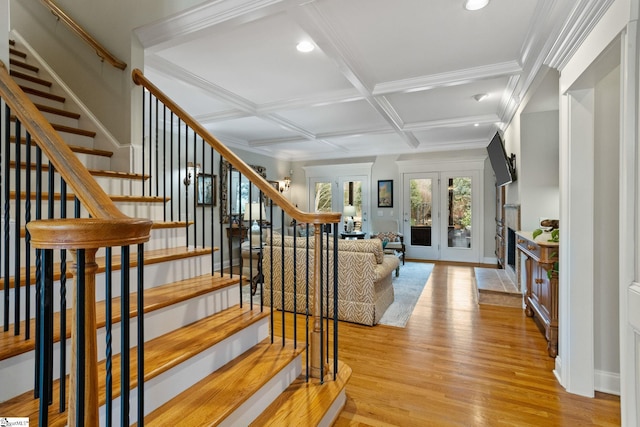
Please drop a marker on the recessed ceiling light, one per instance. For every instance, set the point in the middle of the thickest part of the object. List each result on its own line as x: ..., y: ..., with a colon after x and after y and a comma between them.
x: 480, y: 96
x: 305, y: 46
x: 475, y: 4
x: 476, y: 124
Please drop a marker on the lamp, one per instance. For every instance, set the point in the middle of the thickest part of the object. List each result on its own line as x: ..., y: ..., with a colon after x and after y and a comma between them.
x: 254, y: 212
x: 195, y: 170
x: 284, y: 184
x: 348, y: 213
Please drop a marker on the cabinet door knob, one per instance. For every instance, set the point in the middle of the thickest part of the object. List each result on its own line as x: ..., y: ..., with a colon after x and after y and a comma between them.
x: 521, y: 241
x: 539, y: 281
x: 531, y: 247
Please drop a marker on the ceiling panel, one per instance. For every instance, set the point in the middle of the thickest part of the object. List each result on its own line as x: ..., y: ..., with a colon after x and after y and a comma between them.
x: 258, y: 61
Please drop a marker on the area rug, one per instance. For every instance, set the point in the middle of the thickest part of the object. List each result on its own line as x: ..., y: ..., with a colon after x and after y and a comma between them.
x: 407, y: 289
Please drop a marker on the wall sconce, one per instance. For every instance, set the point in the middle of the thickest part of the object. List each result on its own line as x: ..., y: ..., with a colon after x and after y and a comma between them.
x: 191, y: 171
x: 285, y: 184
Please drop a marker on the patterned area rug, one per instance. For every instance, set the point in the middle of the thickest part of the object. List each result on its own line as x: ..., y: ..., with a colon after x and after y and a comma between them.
x: 407, y: 289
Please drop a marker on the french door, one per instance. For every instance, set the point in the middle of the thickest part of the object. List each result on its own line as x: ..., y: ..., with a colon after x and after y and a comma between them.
x: 439, y: 216
x: 333, y: 194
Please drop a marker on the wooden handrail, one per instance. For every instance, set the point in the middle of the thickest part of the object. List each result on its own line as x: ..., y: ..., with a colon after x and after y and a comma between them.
x: 237, y: 162
x: 100, y: 50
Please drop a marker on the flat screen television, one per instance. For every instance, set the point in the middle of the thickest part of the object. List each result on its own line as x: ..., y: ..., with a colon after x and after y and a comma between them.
x: 503, y: 166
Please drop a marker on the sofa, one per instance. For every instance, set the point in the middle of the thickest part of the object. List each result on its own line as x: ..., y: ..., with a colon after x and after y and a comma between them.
x: 365, y: 288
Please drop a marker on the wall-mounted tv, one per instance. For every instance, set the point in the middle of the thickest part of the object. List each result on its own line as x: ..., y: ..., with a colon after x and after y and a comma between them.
x: 503, y: 166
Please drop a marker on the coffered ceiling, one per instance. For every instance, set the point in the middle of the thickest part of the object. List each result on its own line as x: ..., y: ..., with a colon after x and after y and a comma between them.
x: 385, y: 77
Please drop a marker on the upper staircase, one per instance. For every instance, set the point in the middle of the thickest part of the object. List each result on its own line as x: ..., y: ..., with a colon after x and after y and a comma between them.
x: 205, y: 349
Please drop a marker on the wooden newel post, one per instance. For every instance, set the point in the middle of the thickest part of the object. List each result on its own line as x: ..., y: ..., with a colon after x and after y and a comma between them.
x: 90, y: 402
x: 317, y: 340
x: 88, y: 234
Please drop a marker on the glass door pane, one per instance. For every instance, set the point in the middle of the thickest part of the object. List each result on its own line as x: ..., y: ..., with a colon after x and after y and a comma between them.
x: 459, y: 221
x: 322, y: 197
x: 352, y: 195
x: 460, y: 238
x: 420, y: 216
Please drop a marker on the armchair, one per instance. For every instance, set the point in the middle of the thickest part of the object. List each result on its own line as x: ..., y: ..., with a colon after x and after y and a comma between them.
x: 389, y: 230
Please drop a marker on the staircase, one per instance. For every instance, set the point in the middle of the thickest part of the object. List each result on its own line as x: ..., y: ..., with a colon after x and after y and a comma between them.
x: 210, y: 356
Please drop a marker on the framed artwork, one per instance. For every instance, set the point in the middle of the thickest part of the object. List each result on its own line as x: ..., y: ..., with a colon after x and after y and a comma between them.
x: 385, y: 193
x: 206, y: 190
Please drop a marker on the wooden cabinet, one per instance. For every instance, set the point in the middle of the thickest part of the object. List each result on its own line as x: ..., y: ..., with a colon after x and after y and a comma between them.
x: 500, y: 227
x: 541, y: 297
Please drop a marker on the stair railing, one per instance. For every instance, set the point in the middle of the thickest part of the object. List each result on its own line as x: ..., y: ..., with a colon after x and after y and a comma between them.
x: 100, y: 50
x: 177, y: 150
x: 106, y: 227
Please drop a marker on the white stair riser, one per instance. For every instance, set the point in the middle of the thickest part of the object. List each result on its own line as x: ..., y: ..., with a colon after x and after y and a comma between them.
x: 159, y: 239
x: 60, y: 119
x: 19, y: 370
x: 161, y: 389
x: 256, y: 404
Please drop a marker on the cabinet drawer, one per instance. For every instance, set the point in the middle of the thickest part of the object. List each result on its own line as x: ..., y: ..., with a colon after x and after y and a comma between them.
x: 530, y: 248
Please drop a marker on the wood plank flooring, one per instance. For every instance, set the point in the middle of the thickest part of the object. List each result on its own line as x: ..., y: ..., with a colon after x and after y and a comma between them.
x: 459, y: 364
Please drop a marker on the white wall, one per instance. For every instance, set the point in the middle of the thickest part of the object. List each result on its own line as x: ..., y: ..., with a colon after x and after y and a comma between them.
x: 606, y: 229
x: 538, y: 175
x: 385, y: 167
x: 104, y: 89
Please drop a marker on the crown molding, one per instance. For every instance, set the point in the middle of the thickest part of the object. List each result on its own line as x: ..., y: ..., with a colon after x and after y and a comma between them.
x: 206, y: 16
x: 582, y: 19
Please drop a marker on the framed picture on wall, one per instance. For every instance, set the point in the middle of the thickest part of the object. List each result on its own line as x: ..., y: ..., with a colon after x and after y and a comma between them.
x: 385, y: 193
x: 206, y: 190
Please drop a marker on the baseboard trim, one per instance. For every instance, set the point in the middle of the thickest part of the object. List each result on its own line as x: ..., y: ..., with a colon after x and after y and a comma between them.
x: 607, y: 382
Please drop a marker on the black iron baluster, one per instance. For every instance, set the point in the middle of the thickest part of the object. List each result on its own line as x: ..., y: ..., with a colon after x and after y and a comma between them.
x: 45, y: 336
x: 140, y: 308
x: 171, y: 165
x: 187, y: 178
x: 16, y: 229
x: 27, y: 239
x: 335, y: 301
x: 164, y: 162
x: 108, y: 337
x: 125, y: 337
x: 157, y: 150
x: 7, y: 215
x: 63, y: 298
x: 180, y: 180
x: 39, y: 256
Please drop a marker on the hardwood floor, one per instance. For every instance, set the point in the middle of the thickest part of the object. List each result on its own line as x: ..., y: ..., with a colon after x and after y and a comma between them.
x: 459, y: 364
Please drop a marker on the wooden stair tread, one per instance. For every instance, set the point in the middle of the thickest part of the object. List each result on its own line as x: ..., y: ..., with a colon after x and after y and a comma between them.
x: 304, y: 403
x: 94, y: 172
x: 42, y: 94
x: 28, y: 77
x: 16, y: 52
x: 57, y: 111
x: 215, y: 397
x: 161, y: 354
x: 68, y: 129
x: 74, y: 148
x: 73, y: 130
x: 24, y: 65
x: 115, y: 197
x: 154, y: 256
x: 154, y: 299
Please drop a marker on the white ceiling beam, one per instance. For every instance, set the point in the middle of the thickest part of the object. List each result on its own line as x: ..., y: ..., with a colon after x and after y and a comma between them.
x: 452, y: 78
